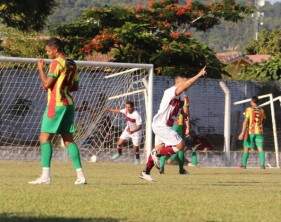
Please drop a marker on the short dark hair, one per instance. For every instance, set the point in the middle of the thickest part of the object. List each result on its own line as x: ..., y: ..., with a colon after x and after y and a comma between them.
x: 182, y: 75
x: 255, y: 99
x: 128, y: 102
x: 55, y: 42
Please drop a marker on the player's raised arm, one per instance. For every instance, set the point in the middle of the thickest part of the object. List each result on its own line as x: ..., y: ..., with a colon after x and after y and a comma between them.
x: 184, y: 85
x: 116, y: 110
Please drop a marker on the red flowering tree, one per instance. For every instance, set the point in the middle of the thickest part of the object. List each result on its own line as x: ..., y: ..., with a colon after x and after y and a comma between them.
x: 160, y: 33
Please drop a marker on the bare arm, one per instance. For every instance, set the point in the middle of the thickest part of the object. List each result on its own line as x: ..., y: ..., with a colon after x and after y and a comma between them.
x: 244, y: 128
x: 47, y: 82
x: 116, y: 110
x: 188, y: 83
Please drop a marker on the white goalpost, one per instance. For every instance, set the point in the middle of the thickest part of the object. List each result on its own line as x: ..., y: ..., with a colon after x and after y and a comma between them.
x: 274, y: 129
x: 103, y: 85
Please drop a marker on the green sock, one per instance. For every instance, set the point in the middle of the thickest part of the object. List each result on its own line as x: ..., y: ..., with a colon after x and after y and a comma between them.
x: 180, y: 155
x: 46, y: 154
x: 262, y: 158
x: 194, y: 159
x: 245, y: 157
x: 74, y: 155
x: 162, y: 160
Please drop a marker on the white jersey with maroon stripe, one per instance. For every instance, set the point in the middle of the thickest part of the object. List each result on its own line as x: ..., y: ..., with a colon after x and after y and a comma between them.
x: 133, y: 119
x: 169, y: 108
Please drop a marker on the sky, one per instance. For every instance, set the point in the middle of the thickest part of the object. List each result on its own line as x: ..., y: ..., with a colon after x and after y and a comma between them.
x: 273, y: 1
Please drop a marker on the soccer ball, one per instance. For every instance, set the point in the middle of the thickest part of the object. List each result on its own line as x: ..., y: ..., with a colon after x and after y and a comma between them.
x: 93, y: 159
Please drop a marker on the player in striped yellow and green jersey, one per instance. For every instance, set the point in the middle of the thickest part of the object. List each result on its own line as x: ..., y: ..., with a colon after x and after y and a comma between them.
x: 252, y: 132
x: 58, y: 117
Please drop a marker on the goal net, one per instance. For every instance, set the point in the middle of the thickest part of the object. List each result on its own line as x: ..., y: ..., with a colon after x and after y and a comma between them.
x: 102, y: 86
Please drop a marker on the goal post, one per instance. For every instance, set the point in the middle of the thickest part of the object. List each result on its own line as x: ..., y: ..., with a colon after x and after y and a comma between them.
x: 103, y: 85
x: 272, y: 111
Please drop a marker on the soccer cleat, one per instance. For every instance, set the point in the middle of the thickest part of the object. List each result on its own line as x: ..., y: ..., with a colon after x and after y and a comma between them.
x: 162, y: 170
x: 155, y: 159
x: 262, y: 167
x: 80, y: 181
x: 243, y: 167
x: 116, y: 156
x: 41, y: 180
x: 145, y: 176
x: 183, y: 172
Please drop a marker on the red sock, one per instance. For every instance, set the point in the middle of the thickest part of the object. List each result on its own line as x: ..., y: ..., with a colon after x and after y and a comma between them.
x: 166, y: 151
x: 149, y: 165
x: 119, y: 149
x: 137, y: 153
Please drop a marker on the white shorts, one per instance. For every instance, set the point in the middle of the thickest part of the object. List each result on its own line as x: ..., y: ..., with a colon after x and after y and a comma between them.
x: 166, y: 135
x: 136, y: 137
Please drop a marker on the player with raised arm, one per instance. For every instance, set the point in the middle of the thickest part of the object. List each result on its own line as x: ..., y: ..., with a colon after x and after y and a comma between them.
x: 167, y: 141
x: 182, y: 127
x: 252, y: 132
x: 58, y: 118
x: 132, y: 130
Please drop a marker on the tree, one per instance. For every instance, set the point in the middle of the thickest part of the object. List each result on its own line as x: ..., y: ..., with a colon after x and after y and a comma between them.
x: 268, y: 43
x: 25, y: 15
x: 160, y: 34
x: 17, y: 43
x: 268, y: 71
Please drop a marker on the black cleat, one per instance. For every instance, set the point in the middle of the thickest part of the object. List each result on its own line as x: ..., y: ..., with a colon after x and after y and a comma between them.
x: 162, y: 171
x: 183, y: 172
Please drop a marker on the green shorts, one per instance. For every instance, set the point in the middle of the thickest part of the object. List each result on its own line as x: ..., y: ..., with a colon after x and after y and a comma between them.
x: 62, y: 122
x: 178, y: 129
x: 254, y: 140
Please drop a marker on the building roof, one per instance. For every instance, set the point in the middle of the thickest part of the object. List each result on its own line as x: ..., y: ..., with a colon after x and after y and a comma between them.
x: 234, y: 56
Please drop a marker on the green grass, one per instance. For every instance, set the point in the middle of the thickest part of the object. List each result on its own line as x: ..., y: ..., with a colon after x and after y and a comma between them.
x: 114, y: 193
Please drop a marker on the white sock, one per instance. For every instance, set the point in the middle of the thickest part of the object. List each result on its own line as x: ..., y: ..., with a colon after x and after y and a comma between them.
x: 45, y: 172
x: 80, y: 173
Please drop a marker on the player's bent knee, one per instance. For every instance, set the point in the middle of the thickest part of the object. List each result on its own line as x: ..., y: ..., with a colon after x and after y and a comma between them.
x: 44, y: 138
x: 180, y: 146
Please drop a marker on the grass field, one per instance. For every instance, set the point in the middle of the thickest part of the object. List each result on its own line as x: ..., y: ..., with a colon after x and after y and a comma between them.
x: 114, y: 193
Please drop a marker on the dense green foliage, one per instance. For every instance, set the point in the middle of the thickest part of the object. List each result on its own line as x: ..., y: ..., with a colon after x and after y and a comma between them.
x: 18, y: 43
x: 268, y: 43
x: 267, y: 71
x: 25, y: 15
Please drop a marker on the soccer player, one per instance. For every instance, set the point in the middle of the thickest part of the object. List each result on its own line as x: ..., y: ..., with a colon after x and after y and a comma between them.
x: 252, y: 132
x: 58, y: 117
x: 182, y: 127
x: 132, y: 130
x: 167, y: 141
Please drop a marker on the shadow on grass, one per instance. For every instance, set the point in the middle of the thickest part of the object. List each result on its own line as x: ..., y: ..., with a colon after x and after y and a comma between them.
x: 25, y: 218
